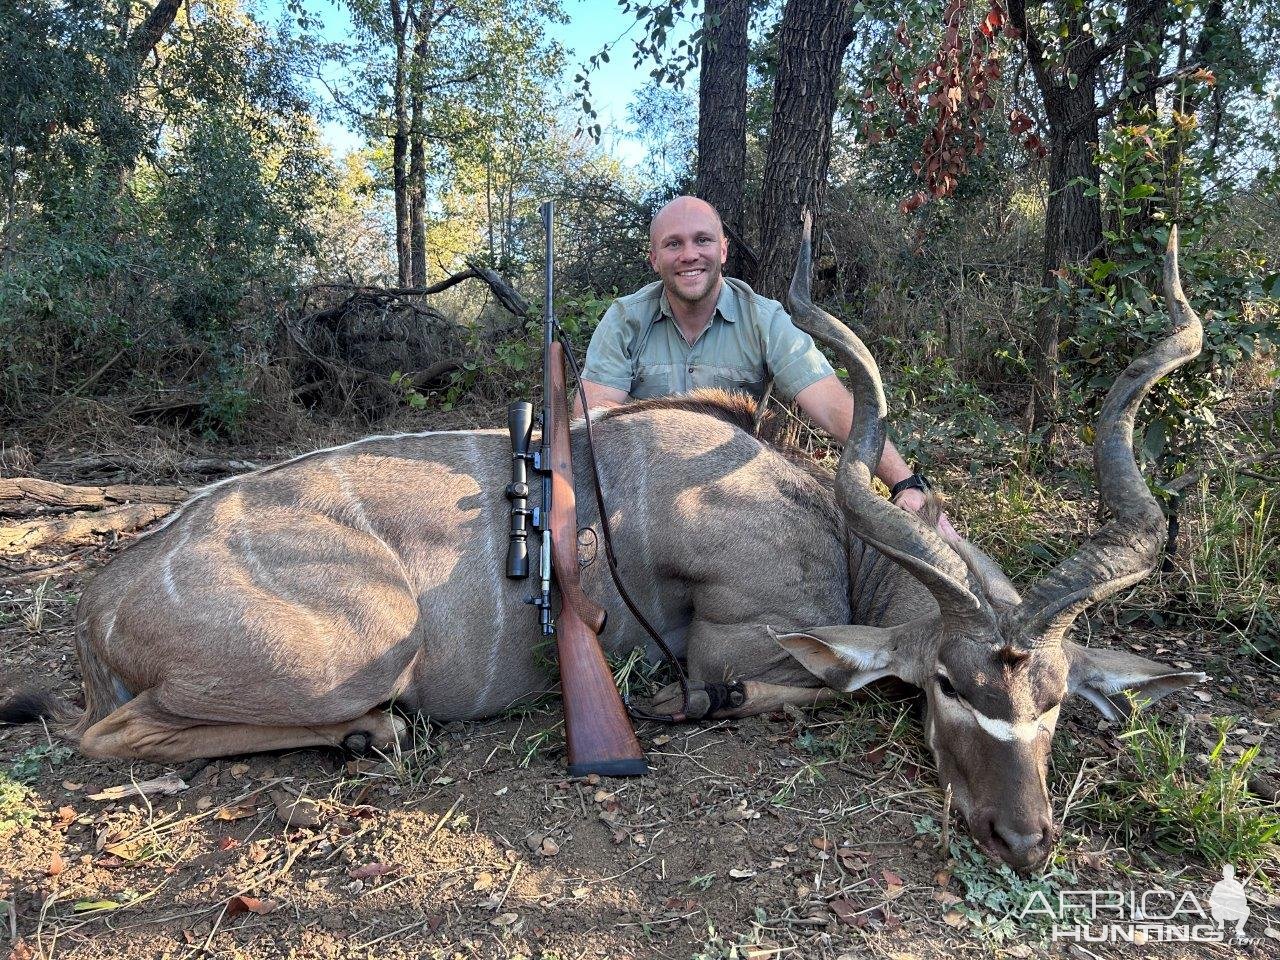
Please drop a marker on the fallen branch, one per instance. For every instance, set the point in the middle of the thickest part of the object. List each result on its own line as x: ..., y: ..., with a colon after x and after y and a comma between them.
x: 26, y: 494
x: 79, y: 529
x: 505, y: 293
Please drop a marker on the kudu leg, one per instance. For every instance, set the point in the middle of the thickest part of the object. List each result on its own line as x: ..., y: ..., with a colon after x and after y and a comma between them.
x: 766, y: 697
x: 142, y: 730
x: 760, y: 697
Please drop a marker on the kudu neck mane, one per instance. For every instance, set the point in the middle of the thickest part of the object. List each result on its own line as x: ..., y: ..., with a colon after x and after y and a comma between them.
x: 871, y: 576
x: 737, y: 409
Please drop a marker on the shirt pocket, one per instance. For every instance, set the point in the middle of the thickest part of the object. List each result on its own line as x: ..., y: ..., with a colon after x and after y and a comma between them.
x: 651, y: 380
x: 735, y: 379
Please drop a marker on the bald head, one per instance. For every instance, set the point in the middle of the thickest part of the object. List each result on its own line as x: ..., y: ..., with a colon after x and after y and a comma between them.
x: 684, y: 214
x: 687, y: 250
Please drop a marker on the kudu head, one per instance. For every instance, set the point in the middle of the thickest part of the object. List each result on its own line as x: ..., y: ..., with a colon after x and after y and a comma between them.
x: 995, y: 665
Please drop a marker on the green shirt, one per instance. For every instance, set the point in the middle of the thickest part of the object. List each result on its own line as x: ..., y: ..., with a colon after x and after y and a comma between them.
x: 638, y: 348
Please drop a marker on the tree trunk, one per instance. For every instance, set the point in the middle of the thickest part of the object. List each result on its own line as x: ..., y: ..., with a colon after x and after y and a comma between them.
x: 1140, y: 70
x: 400, y: 19
x: 722, y: 118
x: 812, y: 38
x: 147, y: 36
x: 1073, y: 219
x: 417, y: 204
x: 417, y: 148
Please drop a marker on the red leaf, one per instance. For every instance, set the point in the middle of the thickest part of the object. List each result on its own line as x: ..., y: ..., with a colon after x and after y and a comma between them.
x: 891, y: 879
x: 56, y: 865
x: 909, y: 206
x: 228, y: 843
x: 845, y: 909
x: 243, y: 904
x: 1012, y: 32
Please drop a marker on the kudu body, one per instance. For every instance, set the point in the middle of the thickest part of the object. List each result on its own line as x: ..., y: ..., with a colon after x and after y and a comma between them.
x: 288, y: 607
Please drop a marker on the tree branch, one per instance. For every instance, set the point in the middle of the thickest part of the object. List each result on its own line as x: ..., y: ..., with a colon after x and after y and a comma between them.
x: 1035, y: 49
x: 1112, y: 103
x: 1132, y: 26
x: 149, y: 33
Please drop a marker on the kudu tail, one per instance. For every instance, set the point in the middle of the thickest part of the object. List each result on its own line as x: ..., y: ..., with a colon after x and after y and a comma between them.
x: 32, y: 705
x: 29, y: 706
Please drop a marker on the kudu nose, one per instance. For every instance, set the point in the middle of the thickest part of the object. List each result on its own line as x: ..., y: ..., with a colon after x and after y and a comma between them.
x: 1020, y: 843
x: 1027, y: 844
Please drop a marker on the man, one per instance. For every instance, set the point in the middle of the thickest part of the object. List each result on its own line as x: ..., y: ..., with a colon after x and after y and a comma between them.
x: 694, y: 327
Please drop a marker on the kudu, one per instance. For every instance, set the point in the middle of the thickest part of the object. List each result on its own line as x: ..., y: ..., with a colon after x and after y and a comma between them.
x: 288, y: 607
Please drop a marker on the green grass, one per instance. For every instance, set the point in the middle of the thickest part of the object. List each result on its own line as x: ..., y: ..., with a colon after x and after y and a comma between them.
x: 1232, y: 567
x: 1185, y: 808
x: 16, y: 808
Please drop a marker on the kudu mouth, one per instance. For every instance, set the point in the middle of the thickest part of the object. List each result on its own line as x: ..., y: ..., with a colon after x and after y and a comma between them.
x: 976, y: 601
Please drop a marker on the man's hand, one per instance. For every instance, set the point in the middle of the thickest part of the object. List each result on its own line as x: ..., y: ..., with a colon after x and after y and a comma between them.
x: 913, y: 501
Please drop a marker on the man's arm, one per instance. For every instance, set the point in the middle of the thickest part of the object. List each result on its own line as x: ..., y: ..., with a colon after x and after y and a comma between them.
x: 830, y: 406
x: 598, y: 397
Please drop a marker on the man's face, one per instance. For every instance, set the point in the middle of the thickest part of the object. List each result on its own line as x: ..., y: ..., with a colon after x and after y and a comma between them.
x: 688, y: 251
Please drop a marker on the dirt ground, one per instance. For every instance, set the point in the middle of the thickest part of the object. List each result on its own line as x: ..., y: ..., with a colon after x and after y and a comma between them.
x: 795, y: 835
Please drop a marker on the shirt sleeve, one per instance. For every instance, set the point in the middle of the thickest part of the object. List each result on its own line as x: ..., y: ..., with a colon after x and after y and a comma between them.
x: 608, y: 361
x: 794, y: 361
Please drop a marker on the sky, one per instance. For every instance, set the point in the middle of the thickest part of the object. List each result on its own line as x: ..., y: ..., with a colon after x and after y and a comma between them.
x: 591, y: 25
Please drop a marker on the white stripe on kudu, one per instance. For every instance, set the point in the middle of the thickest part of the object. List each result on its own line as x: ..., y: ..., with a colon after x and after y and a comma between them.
x: 1025, y: 731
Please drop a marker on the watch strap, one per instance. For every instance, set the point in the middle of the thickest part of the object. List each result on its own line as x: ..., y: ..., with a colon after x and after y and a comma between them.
x: 917, y: 481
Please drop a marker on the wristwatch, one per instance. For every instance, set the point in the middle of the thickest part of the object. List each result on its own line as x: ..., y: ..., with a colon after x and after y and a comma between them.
x: 917, y: 481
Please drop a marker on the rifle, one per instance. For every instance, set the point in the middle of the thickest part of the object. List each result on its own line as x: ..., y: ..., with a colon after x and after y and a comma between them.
x: 597, y: 728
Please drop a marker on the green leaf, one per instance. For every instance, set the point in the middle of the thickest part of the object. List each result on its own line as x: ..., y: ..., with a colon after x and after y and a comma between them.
x: 1140, y: 192
x: 84, y: 906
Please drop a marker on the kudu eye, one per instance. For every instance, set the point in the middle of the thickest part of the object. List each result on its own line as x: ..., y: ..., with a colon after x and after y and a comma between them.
x: 945, y: 686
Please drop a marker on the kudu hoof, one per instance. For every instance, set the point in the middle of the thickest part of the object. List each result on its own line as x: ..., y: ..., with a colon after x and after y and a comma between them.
x: 704, y: 699
x: 358, y: 744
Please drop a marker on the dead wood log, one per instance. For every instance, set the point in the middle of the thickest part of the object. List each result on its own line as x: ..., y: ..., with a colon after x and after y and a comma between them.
x: 79, y: 528
x: 19, y: 495
x: 89, y: 466
x: 503, y: 291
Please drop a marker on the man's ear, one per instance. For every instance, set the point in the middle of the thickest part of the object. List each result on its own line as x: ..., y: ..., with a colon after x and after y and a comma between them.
x: 848, y: 658
x: 1102, y: 676
x: 724, y: 250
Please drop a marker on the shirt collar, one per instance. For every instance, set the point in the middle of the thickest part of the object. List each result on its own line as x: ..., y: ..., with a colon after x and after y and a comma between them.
x: 726, y: 305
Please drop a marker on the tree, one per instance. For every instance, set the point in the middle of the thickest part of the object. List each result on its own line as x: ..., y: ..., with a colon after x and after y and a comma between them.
x: 421, y: 67
x: 812, y: 38
x: 722, y: 121
x: 1073, y: 48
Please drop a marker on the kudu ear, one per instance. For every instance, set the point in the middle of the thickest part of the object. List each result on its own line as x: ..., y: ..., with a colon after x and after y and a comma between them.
x: 848, y: 658
x: 1102, y: 676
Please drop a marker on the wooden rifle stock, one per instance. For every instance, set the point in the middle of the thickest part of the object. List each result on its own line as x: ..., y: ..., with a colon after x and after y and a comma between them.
x: 597, y: 728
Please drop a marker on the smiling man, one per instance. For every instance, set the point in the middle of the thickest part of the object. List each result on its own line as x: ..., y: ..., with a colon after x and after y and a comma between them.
x: 695, y: 327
